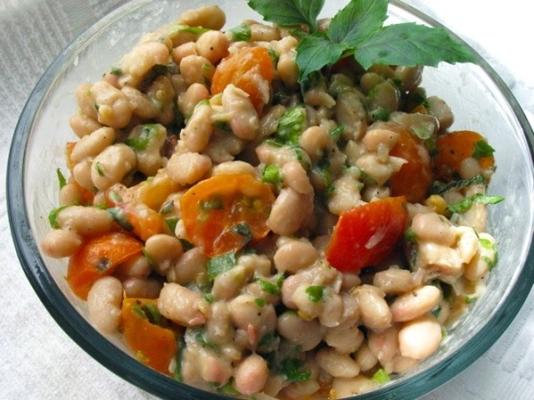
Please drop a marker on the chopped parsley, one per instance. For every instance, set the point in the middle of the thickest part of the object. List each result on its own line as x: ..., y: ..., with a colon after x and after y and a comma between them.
x: 99, y: 169
x: 315, y: 293
x: 260, y: 302
x: 268, y: 343
x: 292, y: 369
x: 120, y: 218
x: 291, y: 125
x: 479, y: 198
x: 209, y: 298
x: 482, y: 149
x: 409, y: 235
x: 223, y: 263
x: 381, y: 376
x: 241, y: 33
x: 141, y: 142
x: 271, y: 174
x: 52, y: 216
x: 337, y: 132
x: 442, y: 187
x: 61, y: 178
x: 270, y: 287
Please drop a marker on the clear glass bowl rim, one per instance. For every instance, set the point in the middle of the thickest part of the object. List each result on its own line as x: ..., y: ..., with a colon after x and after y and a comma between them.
x: 126, y: 367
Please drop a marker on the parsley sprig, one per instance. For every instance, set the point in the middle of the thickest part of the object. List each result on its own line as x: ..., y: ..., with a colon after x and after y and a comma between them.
x: 358, y: 30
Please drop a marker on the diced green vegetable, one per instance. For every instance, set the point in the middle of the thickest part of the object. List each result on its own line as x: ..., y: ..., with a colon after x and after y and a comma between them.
x: 260, y: 302
x: 292, y: 369
x: 410, y: 236
x: 99, y: 168
x: 171, y: 223
x: 116, y: 71
x: 270, y: 287
x: 52, y: 216
x: 337, y: 132
x: 142, y: 141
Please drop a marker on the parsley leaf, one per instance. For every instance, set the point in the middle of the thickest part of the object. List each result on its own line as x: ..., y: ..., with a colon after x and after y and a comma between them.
x: 270, y: 287
x: 410, y: 44
x: 271, y: 174
x: 291, y: 125
x: 358, y: 21
x: 482, y: 149
x: 381, y: 376
x: 218, y: 265
x: 315, y: 293
x: 52, y: 217
x: 61, y: 178
x: 292, y: 369
x: 241, y: 33
x: 260, y: 302
x: 315, y: 52
x: 479, y: 198
x: 441, y: 187
x: 142, y: 141
x: 289, y: 12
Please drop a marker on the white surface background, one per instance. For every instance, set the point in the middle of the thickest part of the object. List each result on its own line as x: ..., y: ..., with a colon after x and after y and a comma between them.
x: 39, y: 361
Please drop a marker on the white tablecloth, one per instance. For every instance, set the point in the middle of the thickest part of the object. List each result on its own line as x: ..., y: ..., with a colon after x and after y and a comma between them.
x: 39, y: 361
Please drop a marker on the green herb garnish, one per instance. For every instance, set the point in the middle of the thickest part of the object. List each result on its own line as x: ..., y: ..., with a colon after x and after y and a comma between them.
x: 209, y: 298
x: 61, y: 178
x: 260, y: 302
x: 142, y: 141
x: 358, y: 30
x: 218, y: 265
x: 52, y: 217
x: 99, y: 169
x: 315, y: 293
x: 241, y: 33
x: 116, y: 71
x: 271, y: 174
x: 171, y: 223
x: 479, y: 198
x: 337, y: 132
x: 410, y: 236
x: 482, y: 149
x: 270, y: 287
x: 291, y: 125
x: 292, y: 369
x: 381, y: 376
x: 119, y: 216
x: 442, y: 187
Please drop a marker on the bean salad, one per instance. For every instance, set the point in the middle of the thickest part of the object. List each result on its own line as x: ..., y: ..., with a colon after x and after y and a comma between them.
x: 252, y: 233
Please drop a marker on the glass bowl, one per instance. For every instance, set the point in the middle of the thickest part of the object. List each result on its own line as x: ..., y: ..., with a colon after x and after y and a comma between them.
x: 479, y: 98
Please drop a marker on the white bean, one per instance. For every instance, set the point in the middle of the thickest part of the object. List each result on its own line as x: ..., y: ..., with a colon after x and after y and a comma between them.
x: 306, y: 334
x: 213, y: 368
x: 287, y: 68
x: 113, y: 108
x: 384, y: 346
x: 196, y: 135
x: 234, y: 167
x: 211, y: 17
x: 164, y: 250
x: 143, y: 57
x: 251, y: 375
x: 344, y: 340
x: 365, y: 357
x: 136, y: 267
x: 112, y: 165
x: 60, y: 243
x: 376, y: 137
x: 196, y: 69
x: 82, y: 125
x: 142, y: 288
x: 181, y: 305
x: 336, y: 364
x: 416, y: 303
x: 184, y: 50
x: 85, y: 101
x: 347, y: 387
x: 432, y: 227
x: 295, y: 255
x: 70, y: 195
x: 189, y: 266
x: 87, y: 221
x: 374, y: 310
x: 91, y: 145
x: 286, y: 215
x: 81, y: 173
x: 188, y: 168
x: 191, y: 97
x: 314, y: 141
x: 244, y: 119
x: 394, y: 281
x: 141, y: 104
x: 213, y: 45
x: 296, y: 178
x: 104, y: 304
x: 420, y: 338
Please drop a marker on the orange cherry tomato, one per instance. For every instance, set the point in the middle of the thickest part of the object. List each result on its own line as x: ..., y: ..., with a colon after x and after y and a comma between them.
x: 243, y: 69
x: 145, y: 221
x: 152, y: 344
x: 98, y: 257
x: 367, y: 234
x: 455, y: 147
x: 224, y: 212
x: 415, y: 177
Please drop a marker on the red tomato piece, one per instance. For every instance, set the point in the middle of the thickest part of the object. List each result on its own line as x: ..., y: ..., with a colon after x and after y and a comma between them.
x: 245, y: 69
x: 98, y: 257
x: 224, y: 212
x: 367, y: 234
x: 415, y: 177
x: 455, y: 147
x: 152, y: 344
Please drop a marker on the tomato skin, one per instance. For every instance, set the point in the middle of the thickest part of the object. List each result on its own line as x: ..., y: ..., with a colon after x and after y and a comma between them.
x: 242, y: 69
x: 242, y: 199
x: 98, y: 257
x: 415, y: 177
x: 453, y: 148
x: 154, y: 345
x: 145, y: 221
x: 367, y: 234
